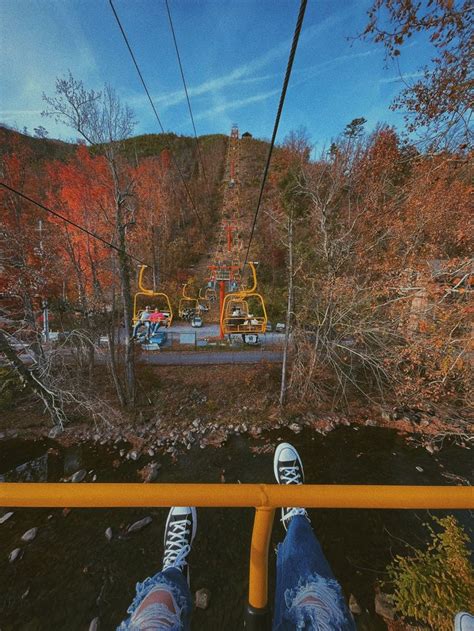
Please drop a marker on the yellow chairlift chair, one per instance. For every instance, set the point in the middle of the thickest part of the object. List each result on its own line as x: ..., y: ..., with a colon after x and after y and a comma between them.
x: 187, y: 305
x: 204, y: 300
x: 210, y: 294
x: 155, y: 299
x: 236, y: 316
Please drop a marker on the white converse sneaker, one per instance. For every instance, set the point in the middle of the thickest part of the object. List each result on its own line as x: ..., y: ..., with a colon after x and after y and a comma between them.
x: 180, y: 531
x: 288, y: 469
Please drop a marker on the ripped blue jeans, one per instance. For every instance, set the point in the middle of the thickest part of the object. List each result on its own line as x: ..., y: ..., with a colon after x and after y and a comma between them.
x: 307, y: 595
x: 158, y: 617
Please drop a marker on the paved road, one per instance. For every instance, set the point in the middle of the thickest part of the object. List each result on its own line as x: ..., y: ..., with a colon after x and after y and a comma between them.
x: 200, y: 358
x: 272, y: 353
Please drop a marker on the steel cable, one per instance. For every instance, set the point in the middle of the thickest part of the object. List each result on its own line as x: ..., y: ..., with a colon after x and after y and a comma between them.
x: 154, y: 111
x: 294, y: 45
x: 187, y: 95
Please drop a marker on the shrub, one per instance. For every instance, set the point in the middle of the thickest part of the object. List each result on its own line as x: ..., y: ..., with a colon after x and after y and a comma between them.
x: 434, y: 584
x: 10, y: 388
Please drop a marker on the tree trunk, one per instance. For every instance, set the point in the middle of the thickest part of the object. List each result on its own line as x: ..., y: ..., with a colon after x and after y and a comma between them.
x: 112, y: 359
x: 124, y: 271
x: 127, y: 315
x: 36, y: 346
x: 90, y: 361
x: 289, y: 308
x: 155, y: 258
x: 29, y: 376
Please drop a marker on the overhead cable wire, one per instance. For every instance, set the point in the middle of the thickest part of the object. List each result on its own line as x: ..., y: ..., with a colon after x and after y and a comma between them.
x: 187, y: 94
x: 154, y: 110
x: 294, y: 45
x: 72, y: 223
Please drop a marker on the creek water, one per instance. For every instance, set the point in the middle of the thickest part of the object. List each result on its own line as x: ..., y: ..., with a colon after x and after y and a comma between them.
x: 71, y: 573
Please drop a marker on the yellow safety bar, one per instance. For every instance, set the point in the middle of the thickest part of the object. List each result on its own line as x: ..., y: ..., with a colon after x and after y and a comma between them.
x: 264, y: 497
x: 144, y: 291
x: 252, y: 289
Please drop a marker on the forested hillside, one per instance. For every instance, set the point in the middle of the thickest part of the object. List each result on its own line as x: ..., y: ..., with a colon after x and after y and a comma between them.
x: 379, y: 234
x: 139, y: 200
x: 38, y: 165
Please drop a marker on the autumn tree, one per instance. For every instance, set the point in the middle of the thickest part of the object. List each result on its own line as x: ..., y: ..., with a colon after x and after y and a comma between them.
x: 31, y: 272
x: 341, y: 342
x: 382, y: 292
x: 81, y: 190
x: 41, y: 132
x: 156, y: 221
x: 287, y: 212
x: 104, y: 123
x: 27, y: 269
x: 440, y: 102
x: 355, y: 128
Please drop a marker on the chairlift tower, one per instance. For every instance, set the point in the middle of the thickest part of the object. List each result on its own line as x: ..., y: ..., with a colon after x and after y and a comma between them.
x: 226, y: 267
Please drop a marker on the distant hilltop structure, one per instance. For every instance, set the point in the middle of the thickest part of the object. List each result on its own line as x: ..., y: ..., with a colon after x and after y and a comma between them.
x: 246, y: 134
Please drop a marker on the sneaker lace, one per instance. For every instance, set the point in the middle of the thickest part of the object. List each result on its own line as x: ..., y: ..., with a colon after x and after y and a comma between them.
x: 177, y: 547
x: 290, y: 475
x: 287, y: 515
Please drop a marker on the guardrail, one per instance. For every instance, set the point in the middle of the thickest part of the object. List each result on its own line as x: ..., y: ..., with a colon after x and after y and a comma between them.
x: 263, y: 497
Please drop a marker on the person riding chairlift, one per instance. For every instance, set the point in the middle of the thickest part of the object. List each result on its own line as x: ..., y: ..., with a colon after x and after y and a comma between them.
x: 251, y: 320
x: 236, y: 316
x: 307, y: 594
x: 156, y: 320
x: 144, y: 320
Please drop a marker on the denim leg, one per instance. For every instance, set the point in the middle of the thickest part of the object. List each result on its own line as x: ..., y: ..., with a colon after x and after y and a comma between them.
x: 174, y: 582
x: 307, y: 595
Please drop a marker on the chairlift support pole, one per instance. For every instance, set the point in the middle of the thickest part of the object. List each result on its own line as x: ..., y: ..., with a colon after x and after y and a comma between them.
x: 221, y: 306
x: 229, y: 230
x: 44, y: 304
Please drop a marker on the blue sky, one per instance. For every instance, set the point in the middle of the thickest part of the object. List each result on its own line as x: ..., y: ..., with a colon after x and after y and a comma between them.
x: 234, y: 54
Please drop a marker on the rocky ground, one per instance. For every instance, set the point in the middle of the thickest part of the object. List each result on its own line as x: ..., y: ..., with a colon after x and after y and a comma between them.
x: 184, y: 406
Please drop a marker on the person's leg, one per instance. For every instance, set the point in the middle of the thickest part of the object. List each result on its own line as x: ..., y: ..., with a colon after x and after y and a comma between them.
x: 147, y: 328
x: 307, y: 591
x: 163, y: 602
x: 136, y: 327
x: 307, y: 595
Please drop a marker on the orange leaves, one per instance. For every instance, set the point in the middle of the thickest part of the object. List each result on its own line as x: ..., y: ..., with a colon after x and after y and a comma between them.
x: 81, y: 189
x: 83, y: 185
x: 423, y: 326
